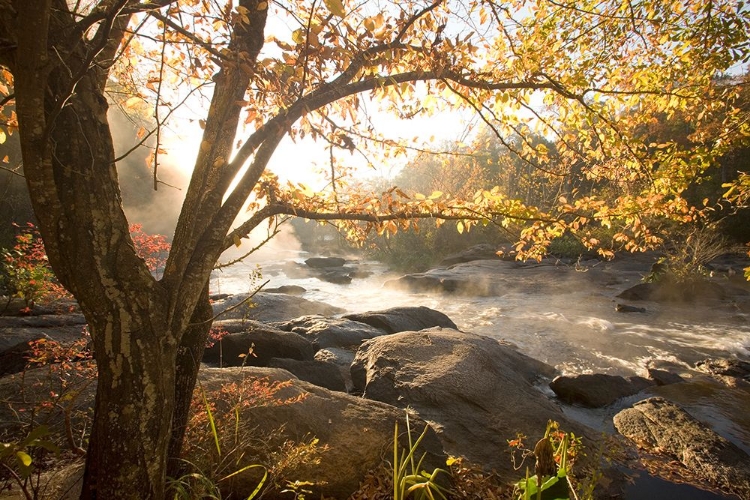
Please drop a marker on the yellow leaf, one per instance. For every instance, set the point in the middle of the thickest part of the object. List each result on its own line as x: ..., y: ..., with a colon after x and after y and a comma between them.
x: 460, y: 227
x: 262, y: 6
x: 419, y: 196
x: 236, y: 239
x: 24, y: 458
x: 436, y: 194
x: 336, y: 7
x: 3, y: 137
x: 132, y: 102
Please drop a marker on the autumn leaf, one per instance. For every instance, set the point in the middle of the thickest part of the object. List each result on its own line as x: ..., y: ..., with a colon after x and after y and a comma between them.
x: 336, y: 7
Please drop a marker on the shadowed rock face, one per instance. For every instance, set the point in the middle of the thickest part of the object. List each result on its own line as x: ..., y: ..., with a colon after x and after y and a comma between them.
x: 264, y: 341
x: 476, y: 391
x: 354, y: 435
x: 663, y: 428
x: 597, y: 390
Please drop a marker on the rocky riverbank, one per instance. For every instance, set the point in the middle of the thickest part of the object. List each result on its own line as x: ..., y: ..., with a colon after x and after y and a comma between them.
x: 352, y: 376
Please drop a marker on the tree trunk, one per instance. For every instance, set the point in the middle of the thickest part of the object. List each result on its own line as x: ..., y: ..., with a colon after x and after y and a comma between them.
x: 133, y: 411
x: 189, y: 356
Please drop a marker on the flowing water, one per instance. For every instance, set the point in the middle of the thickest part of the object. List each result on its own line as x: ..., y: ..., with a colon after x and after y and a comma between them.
x: 560, y: 318
x: 565, y: 316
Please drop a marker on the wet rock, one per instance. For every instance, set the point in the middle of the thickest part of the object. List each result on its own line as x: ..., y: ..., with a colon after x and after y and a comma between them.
x: 325, y: 262
x: 663, y: 377
x: 476, y: 391
x: 320, y: 373
x: 270, y: 307
x: 264, y: 341
x: 287, y: 289
x: 726, y: 369
x: 596, y: 390
x: 663, y: 428
x: 624, y: 308
x: 337, y: 276
x: 400, y: 319
x: 330, y: 332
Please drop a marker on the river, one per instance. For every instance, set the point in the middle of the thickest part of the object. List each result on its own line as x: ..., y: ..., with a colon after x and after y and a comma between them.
x: 563, y: 315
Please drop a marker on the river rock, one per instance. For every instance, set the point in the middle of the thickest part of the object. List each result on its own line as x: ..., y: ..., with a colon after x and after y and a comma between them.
x: 354, y: 434
x: 270, y: 307
x: 320, y: 373
x: 624, y: 308
x: 730, y: 371
x: 325, y: 262
x: 664, y: 377
x: 476, y: 392
x: 661, y: 427
x: 330, y: 332
x: 265, y: 342
x: 596, y: 390
x: 287, y: 289
x: 343, y: 359
x: 400, y: 319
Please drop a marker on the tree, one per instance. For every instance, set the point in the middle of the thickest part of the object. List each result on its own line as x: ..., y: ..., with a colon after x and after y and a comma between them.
x: 554, y: 64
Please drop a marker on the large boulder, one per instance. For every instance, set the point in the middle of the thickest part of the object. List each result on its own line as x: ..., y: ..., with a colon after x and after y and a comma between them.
x: 663, y: 428
x: 269, y: 307
x: 354, y: 435
x: 401, y: 319
x: 253, y: 344
x: 476, y: 392
x: 330, y: 332
x: 598, y: 389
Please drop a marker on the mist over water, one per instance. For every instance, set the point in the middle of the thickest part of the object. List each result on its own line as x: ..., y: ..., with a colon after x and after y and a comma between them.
x: 572, y: 327
x: 566, y: 319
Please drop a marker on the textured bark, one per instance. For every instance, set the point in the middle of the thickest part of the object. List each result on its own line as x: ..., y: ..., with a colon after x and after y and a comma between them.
x: 148, y: 335
x: 189, y: 356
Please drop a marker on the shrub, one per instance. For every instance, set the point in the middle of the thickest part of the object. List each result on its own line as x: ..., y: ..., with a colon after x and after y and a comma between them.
x: 26, y: 271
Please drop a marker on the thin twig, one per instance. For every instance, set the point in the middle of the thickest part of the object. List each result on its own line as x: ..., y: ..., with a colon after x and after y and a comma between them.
x: 228, y: 309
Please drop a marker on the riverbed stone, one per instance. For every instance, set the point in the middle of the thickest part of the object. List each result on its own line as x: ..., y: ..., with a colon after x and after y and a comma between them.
x: 400, y: 319
x: 596, y: 390
x: 270, y: 307
x: 252, y: 343
x: 663, y: 428
x: 476, y: 392
x: 325, y: 262
x: 330, y: 332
